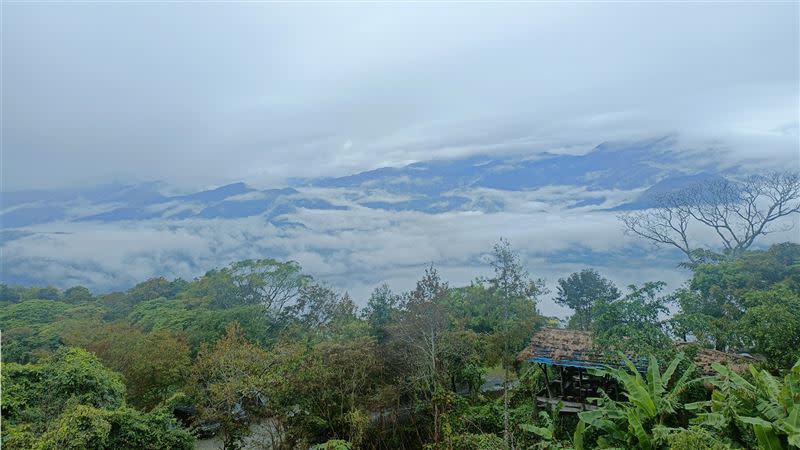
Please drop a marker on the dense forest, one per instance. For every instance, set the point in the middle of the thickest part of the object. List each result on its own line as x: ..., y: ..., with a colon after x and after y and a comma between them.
x: 259, y: 353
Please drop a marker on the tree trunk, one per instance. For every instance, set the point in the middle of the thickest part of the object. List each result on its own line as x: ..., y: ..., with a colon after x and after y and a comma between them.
x: 506, y: 434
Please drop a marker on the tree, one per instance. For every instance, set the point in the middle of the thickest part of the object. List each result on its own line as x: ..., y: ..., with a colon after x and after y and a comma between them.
x: 158, y: 368
x: 45, y: 293
x: 9, y: 294
x: 154, y: 288
x: 76, y: 373
x: 633, y: 323
x: 227, y: 384
x: 738, y: 212
x: 381, y: 311
x: 88, y: 428
x: 318, y: 305
x: 335, y: 388
x: 772, y: 327
x: 267, y: 282
x: 422, y: 329
x: 721, y: 294
x: 580, y: 291
x: 35, y: 394
x: 119, y: 304
x: 77, y: 295
x: 215, y: 289
x: 517, y: 294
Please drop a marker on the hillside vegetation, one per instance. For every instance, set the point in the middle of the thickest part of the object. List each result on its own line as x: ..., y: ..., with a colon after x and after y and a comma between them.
x: 262, y: 342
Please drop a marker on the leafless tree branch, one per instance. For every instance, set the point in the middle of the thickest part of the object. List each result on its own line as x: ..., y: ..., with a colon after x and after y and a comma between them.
x: 738, y: 212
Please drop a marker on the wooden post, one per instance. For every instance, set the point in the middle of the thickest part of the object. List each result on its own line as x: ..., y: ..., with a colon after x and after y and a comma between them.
x: 546, y: 380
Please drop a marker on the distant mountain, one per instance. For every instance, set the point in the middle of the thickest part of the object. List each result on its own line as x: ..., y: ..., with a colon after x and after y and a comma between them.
x: 431, y: 187
x: 357, y: 230
x: 649, y: 198
x: 607, y: 166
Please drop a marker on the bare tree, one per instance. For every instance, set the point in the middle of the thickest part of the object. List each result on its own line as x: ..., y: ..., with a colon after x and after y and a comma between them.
x: 423, y: 329
x: 737, y: 211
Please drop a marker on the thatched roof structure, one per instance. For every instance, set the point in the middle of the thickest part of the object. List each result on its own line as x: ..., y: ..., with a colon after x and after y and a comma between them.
x: 562, y: 347
x: 573, y: 348
x: 705, y: 357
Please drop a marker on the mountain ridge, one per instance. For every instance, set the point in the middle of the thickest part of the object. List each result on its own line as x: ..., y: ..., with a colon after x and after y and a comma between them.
x: 432, y: 187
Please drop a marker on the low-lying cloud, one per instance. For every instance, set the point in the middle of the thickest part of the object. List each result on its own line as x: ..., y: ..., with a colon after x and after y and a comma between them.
x: 354, y: 249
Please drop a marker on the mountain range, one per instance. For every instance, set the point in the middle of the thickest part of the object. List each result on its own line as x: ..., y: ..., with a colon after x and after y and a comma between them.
x: 359, y: 230
x: 645, y: 168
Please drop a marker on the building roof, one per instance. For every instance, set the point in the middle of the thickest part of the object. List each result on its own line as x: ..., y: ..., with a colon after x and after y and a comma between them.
x: 557, y: 346
x: 705, y: 357
x: 574, y: 348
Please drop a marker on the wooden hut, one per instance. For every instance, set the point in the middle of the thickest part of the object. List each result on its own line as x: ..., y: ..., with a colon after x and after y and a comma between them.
x: 571, y: 353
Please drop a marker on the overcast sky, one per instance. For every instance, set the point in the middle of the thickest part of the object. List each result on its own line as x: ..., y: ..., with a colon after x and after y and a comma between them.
x: 202, y: 94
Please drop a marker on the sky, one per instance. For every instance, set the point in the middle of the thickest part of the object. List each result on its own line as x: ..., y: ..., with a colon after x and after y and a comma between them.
x: 198, y: 95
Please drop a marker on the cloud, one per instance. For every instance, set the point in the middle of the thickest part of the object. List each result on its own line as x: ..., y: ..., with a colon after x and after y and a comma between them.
x: 354, y: 249
x: 199, y: 95
x: 206, y: 94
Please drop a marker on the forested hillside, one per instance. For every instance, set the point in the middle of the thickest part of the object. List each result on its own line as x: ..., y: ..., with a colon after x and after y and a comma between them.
x: 261, y: 346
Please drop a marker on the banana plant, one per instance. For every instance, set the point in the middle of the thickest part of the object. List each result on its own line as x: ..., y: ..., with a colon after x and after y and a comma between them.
x: 546, y: 433
x: 652, y: 400
x: 770, y: 407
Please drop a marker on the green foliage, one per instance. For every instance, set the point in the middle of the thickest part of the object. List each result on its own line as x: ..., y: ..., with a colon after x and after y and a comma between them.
x: 261, y: 341
x: 153, y: 365
x: 87, y: 428
x: 161, y: 314
x: 32, y: 329
x: 28, y: 344
x: 769, y: 406
x: 547, y: 431
x: 22, y: 392
x: 333, y: 444
x: 215, y: 289
x: 381, y: 311
x: 207, y: 326
x: 580, y: 292
x: 82, y: 428
x: 478, y: 441
x: 267, y: 282
x: 464, y: 359
x: 9, y: 294
x: 632, y: 324
x: 71, y: 401
x: 772, y: 327
x: 45, y: 293
x: 695, y: 438
x: 322, y: 391
x: 227, y: 382
x: 715, y: 308
x: 31, y: 313
x: 76, y: 373
x: 118, y: 305
x: 154, y: 288
x: 18, y: 436
x: 77, y: 295
x: 35, y: 393
x: 653, y: 402
x: 515, y: 295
